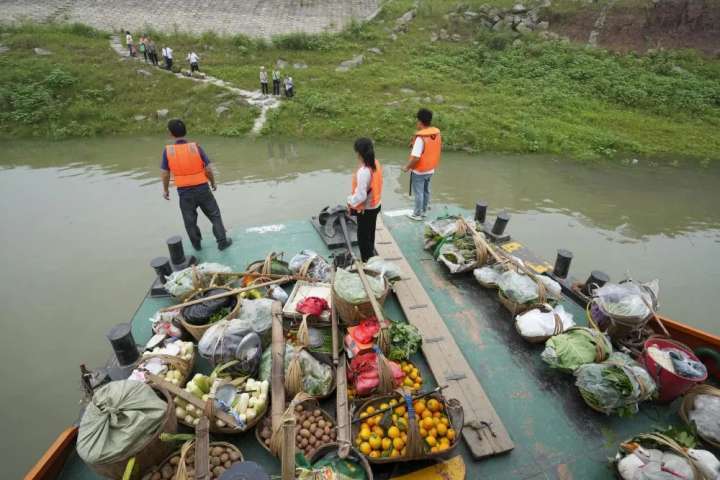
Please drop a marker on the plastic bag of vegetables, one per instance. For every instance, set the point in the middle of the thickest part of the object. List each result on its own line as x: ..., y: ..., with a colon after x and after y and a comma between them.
x: 438, y: 230
x: 575, y: 347
x: 317, y: 378
x: 615, y: 386
x: 350, y: 288
x: 182, y: 283
x: 230, y: 340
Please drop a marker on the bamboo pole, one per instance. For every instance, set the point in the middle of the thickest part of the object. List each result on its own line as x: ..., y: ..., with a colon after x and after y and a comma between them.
x: 288, y: 449
x: 229, y: 293
x: 342, y: 408
x: 371, y: 295
x: 277, y: 375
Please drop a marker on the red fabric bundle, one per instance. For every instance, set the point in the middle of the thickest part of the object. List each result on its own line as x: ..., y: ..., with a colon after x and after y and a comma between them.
x: 312, y: 306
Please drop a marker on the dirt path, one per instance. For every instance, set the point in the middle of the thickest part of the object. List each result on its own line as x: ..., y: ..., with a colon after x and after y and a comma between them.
x: 253, y: 97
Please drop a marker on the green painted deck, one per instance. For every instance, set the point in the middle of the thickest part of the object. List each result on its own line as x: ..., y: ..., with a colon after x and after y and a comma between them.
x: 556, y: 435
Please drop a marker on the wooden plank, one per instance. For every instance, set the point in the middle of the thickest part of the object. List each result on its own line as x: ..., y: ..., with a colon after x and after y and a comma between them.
x: 52, y: 461
x: 277, y: 370
x: 484, y: 431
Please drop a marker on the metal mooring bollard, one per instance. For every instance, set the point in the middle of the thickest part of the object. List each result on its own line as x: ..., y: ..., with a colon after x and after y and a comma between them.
x: 562, y: 263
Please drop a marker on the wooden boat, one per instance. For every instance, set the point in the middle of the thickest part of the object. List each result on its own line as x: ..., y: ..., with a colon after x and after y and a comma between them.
x: 555, y: 435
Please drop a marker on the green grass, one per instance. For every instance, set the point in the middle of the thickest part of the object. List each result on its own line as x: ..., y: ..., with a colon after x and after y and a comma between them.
x: 498, y: 94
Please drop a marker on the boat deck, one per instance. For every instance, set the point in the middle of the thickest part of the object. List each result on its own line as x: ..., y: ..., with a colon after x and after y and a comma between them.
x: 555, y: 434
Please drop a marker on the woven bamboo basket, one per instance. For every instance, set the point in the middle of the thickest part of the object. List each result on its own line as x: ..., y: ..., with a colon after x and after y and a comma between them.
x: 147, y: 454
x: 542, y: 338
x: 197, y: 331
x: 187, y: 457
x: 354, y: 455
x: 617, y: 327
x: 452, y: 408
x: 264, y: 267
x: 305, y: 401
x: 603, y: 347
x: 349, y: 313
x: 229, y: 429
x: 667, y: 444
x: 333, y: 381
x: 688, y: 405
x: 517, y: 308
x: 185, y: 366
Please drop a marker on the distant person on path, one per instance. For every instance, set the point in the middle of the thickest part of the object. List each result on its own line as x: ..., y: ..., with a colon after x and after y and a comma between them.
x: 276, y: 76
x: 191, y: 169
x: 168, y: 57
x: 129, y: 42
x: 424, y: 158
x: 143, y: 47
x: 289, y: 87
x: 152, y: 52
x: 193, y: 59
x: 367, y: 183
x: 263, y: 81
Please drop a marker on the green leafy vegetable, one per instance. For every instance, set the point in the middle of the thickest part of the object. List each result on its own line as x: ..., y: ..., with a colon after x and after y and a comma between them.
x: 405, y: 339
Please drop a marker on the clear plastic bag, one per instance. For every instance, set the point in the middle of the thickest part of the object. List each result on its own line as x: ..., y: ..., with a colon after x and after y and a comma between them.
x: 232, y: 340
x: 437, y: 230
x: 257, y: 316
x: 518, y: 287
x: 180, y: 284
x: 319, y: 271
x: 350, y: 288
x: 537, y: 323
x: 488, y: 275
x: 627, y: 299
x: 615, y: 386
x: 706, y: 416
x: 387, y: 269
x: 457, y: 260
x: 317, y: 376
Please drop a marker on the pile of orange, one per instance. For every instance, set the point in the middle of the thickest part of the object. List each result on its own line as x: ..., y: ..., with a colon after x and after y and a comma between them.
x: 384, y: 435
x: 413, y: 380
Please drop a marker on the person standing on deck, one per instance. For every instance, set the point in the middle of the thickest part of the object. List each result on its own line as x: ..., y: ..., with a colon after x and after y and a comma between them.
x: 129, y: 42
x: 168, y: 57
x: 424, y: 159
x: 263, y: 81
x: 276, y: 81
x: 367, y: 183
x: 193, y: 59
x: 152, y: 51
x: 191, y: 169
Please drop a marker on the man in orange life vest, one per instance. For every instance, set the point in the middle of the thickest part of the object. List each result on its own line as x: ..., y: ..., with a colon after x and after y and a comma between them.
x: 424, y: 158
x: 191, y: 170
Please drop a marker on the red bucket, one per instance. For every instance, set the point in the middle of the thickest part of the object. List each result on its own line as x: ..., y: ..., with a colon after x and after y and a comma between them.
x: 669, y: 384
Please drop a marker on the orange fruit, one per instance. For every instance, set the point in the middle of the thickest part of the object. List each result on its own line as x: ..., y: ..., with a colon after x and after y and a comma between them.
x: 393, y: 402
x: 370, y: 410
x: 430, y: 440
x: 445, y: 441
x: 387, y: 443
x: 441, y: 429
x: 437, y: 414
x: 416, y: 386
x: 365, y: 434
x: 394, y: 453
x: 383, y: 406
x: 364, y: 426
x: 365, y: 448
x: 433, y: 405
x: 403, y: 435
x: 374, y: 454
x: 445, y: 421
x: 451, y: 434
x: 419, y: 407
x: 402, y: 424
x: 423, y: 432
x: 363, y: 415
x: 375, y: 442
x: 427, y: 423
x: 436, y: 421
x: 398, y: 443
x: 393, y: 432
x: 400, y: 410
x: 426, y: 414
x: 434, y: 450
x: 432, y: 432
x: 443, y: 446
x: 377, y: 430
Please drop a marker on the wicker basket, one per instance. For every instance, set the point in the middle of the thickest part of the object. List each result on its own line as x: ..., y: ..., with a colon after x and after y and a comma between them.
x: 354, y: 456
x: 291, y: 313
x: 187, y: 452
x: 452, y: 408
x: 197, y: 331
x: 229, y: 429
x: 185, y: 366
x: 667, y: 444
x: 688, y: 405
x: 617, y: 327
x: 349, y: 313
x: 148, y: 454
x: 559, y: 327
x: 303, y: 400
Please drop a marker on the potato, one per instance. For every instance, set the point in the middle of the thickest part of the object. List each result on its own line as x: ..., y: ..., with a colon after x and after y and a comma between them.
x: 305, y: 433
x: 303, y: 443
x: 214, y: 461
x: 234, y: 456
x: 319, y: 433
x: 216, y: 451
x: 224, y: 457
x: 299, y: 408
x: 317, y: 412
x: 325, y: 438
x: 167, y: 471
x: 227, y: 464
x: 156, y: 476
x: 327, y: 429
x: 174, y: 460
x: 306, y: 424
x: 312, y: 440
x: 321, y: 423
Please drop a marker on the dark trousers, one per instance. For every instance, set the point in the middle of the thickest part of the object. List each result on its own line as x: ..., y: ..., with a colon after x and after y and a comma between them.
x: 264, y: 87
x: 289, y: 92
x: 169, y: 63
x: 366, y: 232
x: 145, y: 56
x: 194, y: 67
x: 276, y: 87
x: 153, y: 58
x: 201, y: 197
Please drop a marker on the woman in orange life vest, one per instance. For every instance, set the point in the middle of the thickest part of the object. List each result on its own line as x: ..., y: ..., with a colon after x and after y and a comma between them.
x: 366, y: 194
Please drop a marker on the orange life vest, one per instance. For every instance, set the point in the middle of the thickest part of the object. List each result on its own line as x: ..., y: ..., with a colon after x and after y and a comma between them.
x: 430, y: 158
x: 375, y: 189
x: 186, y: 164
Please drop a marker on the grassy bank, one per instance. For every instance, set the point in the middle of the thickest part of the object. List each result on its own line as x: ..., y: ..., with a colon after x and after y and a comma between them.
x: 490, y: 92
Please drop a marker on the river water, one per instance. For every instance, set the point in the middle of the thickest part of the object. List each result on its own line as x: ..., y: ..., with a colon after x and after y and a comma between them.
x: 81, y: 220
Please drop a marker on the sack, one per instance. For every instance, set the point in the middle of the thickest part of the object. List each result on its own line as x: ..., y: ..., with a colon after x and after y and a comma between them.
x: 230, y: 340
x: 180, y: 284
x: 257, y: 315
x: 121, y: 417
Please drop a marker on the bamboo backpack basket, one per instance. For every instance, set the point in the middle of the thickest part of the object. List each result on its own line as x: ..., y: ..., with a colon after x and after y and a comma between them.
x: 148, y: 454
x: 517, y: 308
x: 275, y: 444
x: 542, y: 338
x: 668, y: 444
x: 350, y: 313
x: 184, y: 366
x: 452, y: 408
x: 688, y: 405
x: 187, y: 458
x: 197, y: 331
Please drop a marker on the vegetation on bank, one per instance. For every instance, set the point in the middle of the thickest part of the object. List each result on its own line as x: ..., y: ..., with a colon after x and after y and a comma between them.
x: 491, y: 91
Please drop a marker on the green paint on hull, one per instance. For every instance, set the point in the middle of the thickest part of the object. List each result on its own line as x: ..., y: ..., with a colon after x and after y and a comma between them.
x: 556, y: 435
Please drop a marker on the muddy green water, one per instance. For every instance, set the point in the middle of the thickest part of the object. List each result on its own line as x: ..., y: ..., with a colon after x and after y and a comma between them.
x: 81, y: 219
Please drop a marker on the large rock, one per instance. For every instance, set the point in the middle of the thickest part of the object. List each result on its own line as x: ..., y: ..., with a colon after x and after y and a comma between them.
x: 439, y: 99
x: 139, y: 118
x: 470, y: 15
x: 281, y: 63
x: 433, y: 37
x: 523, y: 28
x: 375, y: 50
x: 41, y: 51
x: 519, y: 8
x: 349, y: 64
x: 402, y: 22
x: 143, y: 72
x: 162, y: 113
x: 221, y: 109
x: 542, y: 26
x: 300, y: 66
